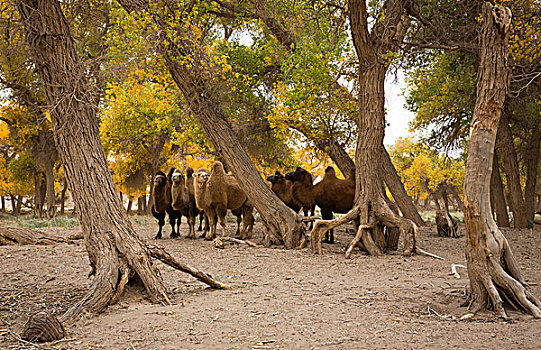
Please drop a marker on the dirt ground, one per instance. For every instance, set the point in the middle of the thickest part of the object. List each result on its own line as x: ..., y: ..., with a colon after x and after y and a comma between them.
x: 281, y: 299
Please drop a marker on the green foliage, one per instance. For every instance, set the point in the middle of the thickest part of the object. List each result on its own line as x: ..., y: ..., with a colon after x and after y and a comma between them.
x: 442, y: 96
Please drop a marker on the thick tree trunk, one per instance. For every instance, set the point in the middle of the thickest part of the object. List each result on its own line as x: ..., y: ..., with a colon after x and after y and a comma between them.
x: 492, y: 268
x: 370, y: 207
x: 3, y: 201
x: 188, y: 64
x: 114, y: 248
x: 506, y: 150
x: 532, y: 165
x: 497, y: 198
x: 329, y: 144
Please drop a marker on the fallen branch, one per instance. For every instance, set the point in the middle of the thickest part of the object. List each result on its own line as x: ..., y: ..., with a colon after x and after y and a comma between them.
x: 219, y: 242
x: 453, y: 269
x: 423, y: 252
x: 162, y: 255
x: 26, y: 236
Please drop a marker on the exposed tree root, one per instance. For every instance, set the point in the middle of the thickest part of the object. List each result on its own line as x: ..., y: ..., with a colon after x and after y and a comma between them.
x: 24, y: 236
x: 382, y: 215
x: 496, y: 277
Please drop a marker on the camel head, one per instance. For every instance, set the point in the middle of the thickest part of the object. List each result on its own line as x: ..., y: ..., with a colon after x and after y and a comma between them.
x: 299, y: 175
x: 177, y: 177
x: 201, y: 177
x: 273, y: 179
x: 160, y: 179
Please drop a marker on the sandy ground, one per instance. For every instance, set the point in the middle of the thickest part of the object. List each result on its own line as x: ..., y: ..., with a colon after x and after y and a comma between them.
x: 280, y: 299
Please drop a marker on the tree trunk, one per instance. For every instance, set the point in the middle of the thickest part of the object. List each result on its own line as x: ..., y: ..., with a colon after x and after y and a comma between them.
x: 506, y: 150
x: 395, y: 185
x: 492, y: 268
x: 496, y: 194
x: 187, y: 64
x: 40, y: 191
x: 63, y: 196
x: 114, y: 248
x: 19, y: 205
x: 456, y: 196
x: 3, y: 201
x: 532, y: 165
x: 49, y: 179
x: 329, y: 144
x: 130, y: 203
x: 141, y: 205
x: 12, y: 197
x: 370, y: 207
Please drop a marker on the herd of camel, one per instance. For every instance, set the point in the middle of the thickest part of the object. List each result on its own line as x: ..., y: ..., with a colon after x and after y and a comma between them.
x: 211, y: 195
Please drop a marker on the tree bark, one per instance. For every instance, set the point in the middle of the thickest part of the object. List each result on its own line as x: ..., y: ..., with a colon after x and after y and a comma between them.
x: 187, y: 64
x: 497, y: 196
x: 492, y: 268
x: 506, y: 149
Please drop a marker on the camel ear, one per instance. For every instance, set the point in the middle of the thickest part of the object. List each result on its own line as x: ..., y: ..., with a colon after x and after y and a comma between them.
x: 278, y: 173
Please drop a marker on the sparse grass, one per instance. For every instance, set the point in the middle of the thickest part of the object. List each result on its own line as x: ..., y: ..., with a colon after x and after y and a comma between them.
x: 31, y: 221
x: 142, y: 220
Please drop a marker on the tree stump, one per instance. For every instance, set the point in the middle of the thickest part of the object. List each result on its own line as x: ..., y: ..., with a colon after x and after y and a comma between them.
x: 447, y: 226
x: 43, y: 327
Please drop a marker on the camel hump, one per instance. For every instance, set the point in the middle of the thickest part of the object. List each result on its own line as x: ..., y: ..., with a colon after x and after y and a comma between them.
x: 218, y: 167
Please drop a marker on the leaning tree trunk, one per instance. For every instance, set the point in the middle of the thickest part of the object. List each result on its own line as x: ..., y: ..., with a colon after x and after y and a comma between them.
x: 190, y: 69
x: 492, y: 268
x: 115, y: 251
x: 395, y: 185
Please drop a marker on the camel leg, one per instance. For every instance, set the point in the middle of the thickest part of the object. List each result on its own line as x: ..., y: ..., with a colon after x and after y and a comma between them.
x: 326, y: 214
x: 238, y: 214
x: 172, y: 220
x: 221, y: 212
x: 161, y: 222
x: 191, y: 222
x: 201, y: 218
x: 211, y: 216
x: 248, y: 222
